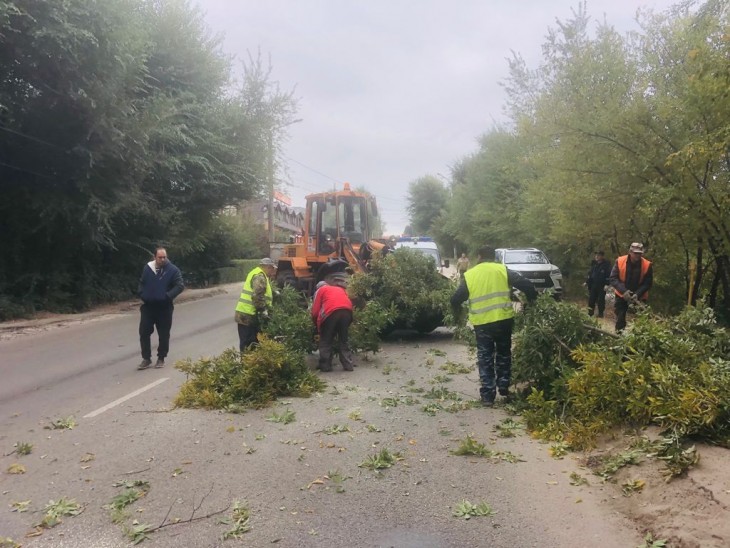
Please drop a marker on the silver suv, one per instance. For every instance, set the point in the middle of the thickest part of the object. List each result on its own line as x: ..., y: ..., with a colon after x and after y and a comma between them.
x: 534, y: 265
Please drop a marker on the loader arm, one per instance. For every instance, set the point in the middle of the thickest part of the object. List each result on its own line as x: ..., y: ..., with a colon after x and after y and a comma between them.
x: 351, y: 256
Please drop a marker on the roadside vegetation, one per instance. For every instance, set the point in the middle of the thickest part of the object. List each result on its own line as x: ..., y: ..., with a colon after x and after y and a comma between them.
x: 580, y: 383
x: 611, y: 138
x: 125, y: 126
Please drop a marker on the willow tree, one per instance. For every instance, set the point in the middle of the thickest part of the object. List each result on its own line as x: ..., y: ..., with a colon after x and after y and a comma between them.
x: 120, y: 128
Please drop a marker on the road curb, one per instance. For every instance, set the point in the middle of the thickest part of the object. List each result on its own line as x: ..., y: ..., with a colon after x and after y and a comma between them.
x: 121, y: 307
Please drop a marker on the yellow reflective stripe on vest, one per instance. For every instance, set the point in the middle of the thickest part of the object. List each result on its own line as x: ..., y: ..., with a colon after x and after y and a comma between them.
x: 490, y: 296
x: 490, y: 307
x: 489, y: 293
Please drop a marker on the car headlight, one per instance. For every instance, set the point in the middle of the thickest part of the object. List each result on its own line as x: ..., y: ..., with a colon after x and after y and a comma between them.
x: 555, y: 272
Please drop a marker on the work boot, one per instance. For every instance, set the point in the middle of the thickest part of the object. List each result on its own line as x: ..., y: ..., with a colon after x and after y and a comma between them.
x: 160, y: 363
x: 346, y: 360
x: 144, y: 364
x: 487, y: 402
x: 600, y: 314
x: 590, y: 312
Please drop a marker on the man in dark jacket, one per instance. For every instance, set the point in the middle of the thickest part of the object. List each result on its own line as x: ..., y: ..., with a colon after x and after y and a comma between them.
x: 160, y: 283
x: 631, y: 278
x: 596, y: 282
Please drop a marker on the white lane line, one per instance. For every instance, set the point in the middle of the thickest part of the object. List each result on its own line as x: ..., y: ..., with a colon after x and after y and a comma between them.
x: 129, y: 396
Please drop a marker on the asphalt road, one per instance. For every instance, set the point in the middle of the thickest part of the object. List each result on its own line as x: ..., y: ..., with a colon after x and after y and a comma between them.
x: 199, y: 462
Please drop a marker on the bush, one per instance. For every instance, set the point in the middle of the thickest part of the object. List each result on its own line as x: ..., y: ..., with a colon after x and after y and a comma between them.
x: 290, y: 322
x: 226, y: 238
x: 235, y: 381
x: 671, y: 372
x: 545, y: 336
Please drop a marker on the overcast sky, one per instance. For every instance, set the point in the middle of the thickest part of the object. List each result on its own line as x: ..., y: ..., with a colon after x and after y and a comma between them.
x: 392, y: 90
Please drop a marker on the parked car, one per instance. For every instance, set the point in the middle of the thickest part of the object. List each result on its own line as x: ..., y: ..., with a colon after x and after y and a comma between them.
x: 534, y: 265
x: 425, y: 245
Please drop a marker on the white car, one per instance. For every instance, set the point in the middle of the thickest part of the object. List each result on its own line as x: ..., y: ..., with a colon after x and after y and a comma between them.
x: 534, y: 265
x: 425, y: 245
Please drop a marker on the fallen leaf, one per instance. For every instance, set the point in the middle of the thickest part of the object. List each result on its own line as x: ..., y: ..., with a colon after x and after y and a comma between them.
x: 16, y: 469
x: 412, y: 442
x: 551, y: 482
x: 88, y: 457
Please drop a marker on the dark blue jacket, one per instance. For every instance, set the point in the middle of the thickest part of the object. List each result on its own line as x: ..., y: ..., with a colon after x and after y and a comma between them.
x: 163, y: 289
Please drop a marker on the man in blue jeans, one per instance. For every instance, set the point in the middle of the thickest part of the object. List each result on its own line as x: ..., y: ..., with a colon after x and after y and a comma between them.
x: 160, y: 283
x: 487, y: 286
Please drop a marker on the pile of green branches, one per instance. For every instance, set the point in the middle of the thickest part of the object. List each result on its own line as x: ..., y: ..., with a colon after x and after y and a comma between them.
x: 235, y: 381
x: 406, y: 283
x: 671, y: 372
x: 277, y: 366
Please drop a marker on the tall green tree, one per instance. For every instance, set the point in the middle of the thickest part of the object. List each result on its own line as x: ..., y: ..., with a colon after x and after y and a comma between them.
x: 427, y: 198
x: 121, y: 127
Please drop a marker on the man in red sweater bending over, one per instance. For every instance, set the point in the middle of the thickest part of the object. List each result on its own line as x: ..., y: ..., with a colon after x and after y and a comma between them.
x: 332, y: 312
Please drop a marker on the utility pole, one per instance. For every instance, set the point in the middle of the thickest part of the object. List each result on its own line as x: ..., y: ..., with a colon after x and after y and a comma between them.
x: 271, y: 191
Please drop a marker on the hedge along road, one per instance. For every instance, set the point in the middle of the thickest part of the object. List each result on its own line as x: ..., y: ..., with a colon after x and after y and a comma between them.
x: 302, y: 482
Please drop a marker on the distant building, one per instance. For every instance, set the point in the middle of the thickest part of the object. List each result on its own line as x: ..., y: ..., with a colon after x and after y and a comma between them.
x: 288, y: 220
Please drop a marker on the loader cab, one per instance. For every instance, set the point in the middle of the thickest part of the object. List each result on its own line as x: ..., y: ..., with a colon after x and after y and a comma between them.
x: 335, y: 215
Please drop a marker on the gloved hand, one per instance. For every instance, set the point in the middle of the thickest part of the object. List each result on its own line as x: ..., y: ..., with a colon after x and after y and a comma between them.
x: 264, y: 315
x: 629, y: 296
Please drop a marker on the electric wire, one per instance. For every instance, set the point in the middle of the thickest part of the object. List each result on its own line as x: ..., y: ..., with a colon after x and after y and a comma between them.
x: 30, y: 137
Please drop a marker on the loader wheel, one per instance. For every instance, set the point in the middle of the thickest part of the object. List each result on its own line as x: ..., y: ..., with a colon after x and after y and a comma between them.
x: 286, y: 278
x: 427, y: 324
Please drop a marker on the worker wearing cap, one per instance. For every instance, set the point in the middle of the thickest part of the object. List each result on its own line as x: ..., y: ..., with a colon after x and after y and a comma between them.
x: 255, y: 302
x: 631, y: 278
x: 332, y: 312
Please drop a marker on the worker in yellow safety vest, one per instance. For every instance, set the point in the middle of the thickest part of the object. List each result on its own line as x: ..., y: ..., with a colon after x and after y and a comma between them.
x: 255, y: 302
x: 487, y: 287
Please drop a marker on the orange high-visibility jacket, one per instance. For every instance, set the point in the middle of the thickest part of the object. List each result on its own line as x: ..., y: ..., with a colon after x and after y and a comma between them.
x: 621, y: 263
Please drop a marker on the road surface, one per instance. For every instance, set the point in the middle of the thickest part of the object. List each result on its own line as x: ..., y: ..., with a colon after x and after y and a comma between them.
x: 199, y: 462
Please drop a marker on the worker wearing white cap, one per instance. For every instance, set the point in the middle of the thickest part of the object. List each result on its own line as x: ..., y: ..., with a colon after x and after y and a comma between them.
x: 631, y: 278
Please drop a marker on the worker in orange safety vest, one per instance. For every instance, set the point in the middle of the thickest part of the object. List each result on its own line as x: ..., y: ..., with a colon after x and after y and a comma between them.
x: 631, y: 278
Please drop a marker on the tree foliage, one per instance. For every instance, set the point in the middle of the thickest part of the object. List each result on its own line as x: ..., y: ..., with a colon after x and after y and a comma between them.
x: 121, y: 127
x: 407, y: 287
x: 427, y: 198
x: 612, y: 139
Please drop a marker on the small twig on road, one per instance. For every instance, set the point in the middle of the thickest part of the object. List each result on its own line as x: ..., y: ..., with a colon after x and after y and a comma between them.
x: 189, y: 520
x: 192, y: 515
x: 153, y: 410
x: 136, y: 471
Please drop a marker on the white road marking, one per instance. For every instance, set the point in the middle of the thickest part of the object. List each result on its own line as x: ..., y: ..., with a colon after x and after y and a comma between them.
x: 129, y: 396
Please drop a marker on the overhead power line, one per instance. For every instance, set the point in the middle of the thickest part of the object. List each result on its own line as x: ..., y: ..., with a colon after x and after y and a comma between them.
x: 31, y: 138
